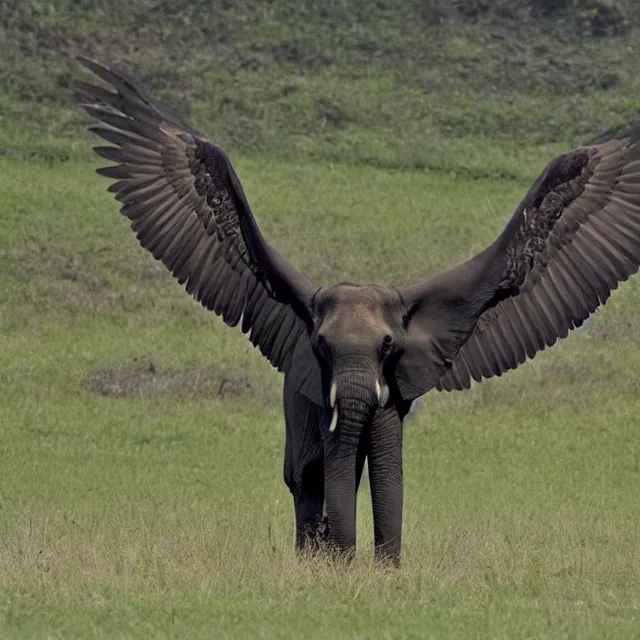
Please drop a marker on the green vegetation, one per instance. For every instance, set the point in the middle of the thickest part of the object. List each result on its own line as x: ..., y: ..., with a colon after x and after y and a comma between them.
x: 434, y: 85
x: 141, y: 439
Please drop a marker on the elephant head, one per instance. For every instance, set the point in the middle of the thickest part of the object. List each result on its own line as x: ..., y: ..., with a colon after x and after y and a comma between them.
x: 363, y: 353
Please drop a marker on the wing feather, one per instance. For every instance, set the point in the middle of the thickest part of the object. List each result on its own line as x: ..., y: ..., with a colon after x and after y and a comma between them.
x: 572, y: 239
x: 592, y: 246
x: 188, y: 209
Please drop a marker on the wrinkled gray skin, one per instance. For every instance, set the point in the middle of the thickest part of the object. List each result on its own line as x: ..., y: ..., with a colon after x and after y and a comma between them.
x: 357, y: 335
x: 355, y: 357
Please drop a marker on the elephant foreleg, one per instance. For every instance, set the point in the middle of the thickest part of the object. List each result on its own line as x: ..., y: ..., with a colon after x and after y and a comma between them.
x: 304, y: 468
x: 385, y: 478
x: 308, y: 500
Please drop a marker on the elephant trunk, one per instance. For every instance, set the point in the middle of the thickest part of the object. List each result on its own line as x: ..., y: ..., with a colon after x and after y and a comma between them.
x: 354, y: 399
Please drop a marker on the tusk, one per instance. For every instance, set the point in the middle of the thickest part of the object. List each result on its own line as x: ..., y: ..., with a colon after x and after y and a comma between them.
x: 332, y: 394
x: 334, y: 420
x: 385, y: 395
x: 378, y: 390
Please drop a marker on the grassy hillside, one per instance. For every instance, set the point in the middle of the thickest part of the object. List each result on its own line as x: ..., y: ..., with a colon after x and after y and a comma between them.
x: 394, y: 84
x: 141, y: 439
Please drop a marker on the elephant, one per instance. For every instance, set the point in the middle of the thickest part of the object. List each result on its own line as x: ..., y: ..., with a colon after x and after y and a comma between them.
x: 355, y: 356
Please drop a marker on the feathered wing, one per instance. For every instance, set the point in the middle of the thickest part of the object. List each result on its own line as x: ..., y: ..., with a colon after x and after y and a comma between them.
x: 572, y: 239
x: 187, y: 207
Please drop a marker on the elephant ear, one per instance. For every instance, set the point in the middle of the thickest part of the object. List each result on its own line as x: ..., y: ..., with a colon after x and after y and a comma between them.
x: 187, y: 207
x: 306, y: 371
x: 572, y: 239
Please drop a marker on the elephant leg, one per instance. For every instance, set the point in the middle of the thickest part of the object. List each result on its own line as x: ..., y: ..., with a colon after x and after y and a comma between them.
x: 304, y: 468
x: 385, y: 478
x: 308, y: 500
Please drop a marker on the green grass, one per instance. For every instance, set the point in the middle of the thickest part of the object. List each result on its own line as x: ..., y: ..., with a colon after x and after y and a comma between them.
x: 139, y: 503
x: 141, y: 440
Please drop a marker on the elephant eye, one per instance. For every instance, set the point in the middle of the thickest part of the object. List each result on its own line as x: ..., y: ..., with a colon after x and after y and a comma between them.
x: 387, y: 343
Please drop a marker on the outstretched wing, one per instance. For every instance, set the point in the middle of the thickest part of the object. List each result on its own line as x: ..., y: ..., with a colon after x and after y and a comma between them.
x: 572, y: 239
x: 187, y: 207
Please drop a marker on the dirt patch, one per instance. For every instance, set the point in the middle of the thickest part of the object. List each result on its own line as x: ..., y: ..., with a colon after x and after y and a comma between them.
x: 143, y: 377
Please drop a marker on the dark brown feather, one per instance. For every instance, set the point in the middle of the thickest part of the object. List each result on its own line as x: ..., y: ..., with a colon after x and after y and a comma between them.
x: 600, y: 246
x: 573, y: 238
x: 187, y: 207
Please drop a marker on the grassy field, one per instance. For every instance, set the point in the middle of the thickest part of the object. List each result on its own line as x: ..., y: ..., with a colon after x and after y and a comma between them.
x: 141, y: 440
x: 140, y: 488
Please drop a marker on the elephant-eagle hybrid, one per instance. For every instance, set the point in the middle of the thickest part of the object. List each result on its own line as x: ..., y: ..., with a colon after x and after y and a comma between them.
x: 354, y: 357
